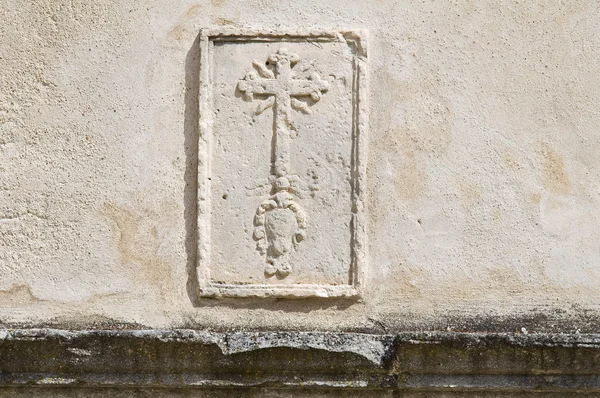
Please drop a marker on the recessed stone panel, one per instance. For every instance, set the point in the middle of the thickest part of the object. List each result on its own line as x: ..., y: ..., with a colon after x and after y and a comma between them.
x: 282, y: 154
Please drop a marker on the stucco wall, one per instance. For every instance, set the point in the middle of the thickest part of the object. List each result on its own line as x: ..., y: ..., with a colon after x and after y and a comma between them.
x: 483, y: 168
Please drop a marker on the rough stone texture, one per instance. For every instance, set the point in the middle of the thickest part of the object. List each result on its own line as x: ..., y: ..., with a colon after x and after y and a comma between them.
x: 284, y: 364
x: 262, y: 393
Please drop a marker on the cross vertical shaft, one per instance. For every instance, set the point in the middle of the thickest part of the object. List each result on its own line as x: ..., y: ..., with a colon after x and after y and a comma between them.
x: 280, y: 157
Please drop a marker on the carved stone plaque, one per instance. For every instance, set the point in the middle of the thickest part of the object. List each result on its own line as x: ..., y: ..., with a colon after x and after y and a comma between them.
x: 282, y: 157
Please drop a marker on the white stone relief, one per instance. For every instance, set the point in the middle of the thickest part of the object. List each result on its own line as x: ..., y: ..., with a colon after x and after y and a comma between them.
x: 279, y: 225
x: 280, y: 221
x: 293, y: 226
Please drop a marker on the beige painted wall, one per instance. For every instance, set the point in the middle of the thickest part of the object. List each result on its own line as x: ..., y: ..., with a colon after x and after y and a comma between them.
x: 484, y: 174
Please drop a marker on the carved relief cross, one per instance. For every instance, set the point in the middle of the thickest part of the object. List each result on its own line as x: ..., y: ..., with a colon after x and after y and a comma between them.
x: 280, y: 221
x: 282, y: 87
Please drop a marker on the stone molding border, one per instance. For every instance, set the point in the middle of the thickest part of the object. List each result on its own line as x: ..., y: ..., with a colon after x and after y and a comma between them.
x: 348, y: 362
x: 355, y: 39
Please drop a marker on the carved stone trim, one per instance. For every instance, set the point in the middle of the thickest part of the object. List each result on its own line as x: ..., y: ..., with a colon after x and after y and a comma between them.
x: 283, y: 211
x: 343, y: 363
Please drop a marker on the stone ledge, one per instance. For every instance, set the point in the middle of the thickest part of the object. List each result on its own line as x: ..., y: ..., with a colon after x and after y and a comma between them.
x: 420, y: 361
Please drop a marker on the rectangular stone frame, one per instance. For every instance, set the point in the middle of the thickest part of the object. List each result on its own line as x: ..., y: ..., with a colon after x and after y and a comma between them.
x: 356, y: 39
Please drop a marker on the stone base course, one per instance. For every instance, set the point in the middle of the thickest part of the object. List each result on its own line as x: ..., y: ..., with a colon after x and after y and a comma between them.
x: 186, y: 363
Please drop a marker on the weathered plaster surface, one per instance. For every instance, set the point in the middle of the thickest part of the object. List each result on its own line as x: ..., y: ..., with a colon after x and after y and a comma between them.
x: 483, y: 171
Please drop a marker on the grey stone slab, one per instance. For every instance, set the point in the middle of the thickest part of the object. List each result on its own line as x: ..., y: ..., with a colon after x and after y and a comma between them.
x: 314, y: 362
